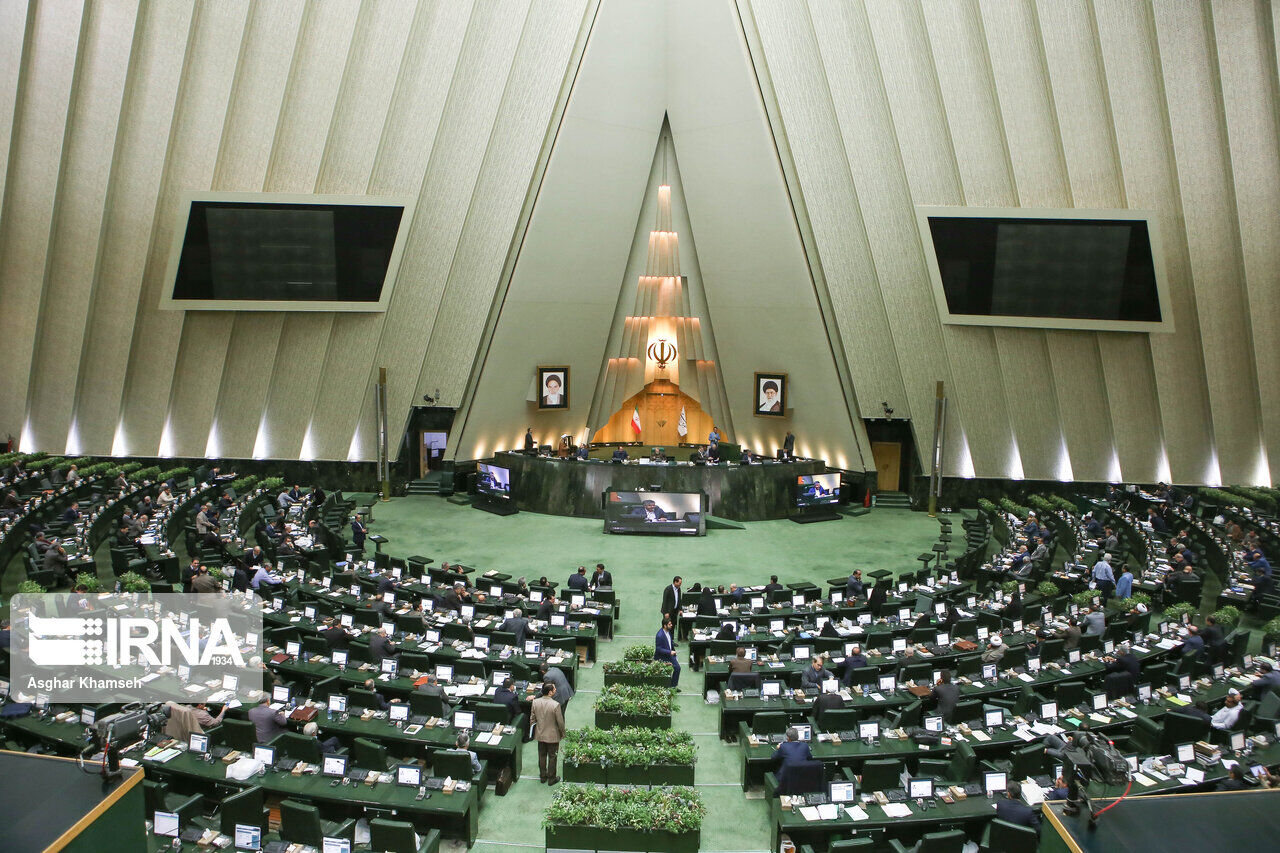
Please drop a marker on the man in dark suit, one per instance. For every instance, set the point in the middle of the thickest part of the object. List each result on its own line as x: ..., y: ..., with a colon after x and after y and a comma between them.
x: 358, y: 531
x: 453, y: 598
x: 578, y: 580
x: 671, y: 599
x: 547, y: 607
x: 72, y: 514
x: 828, y: 702
x: 813, y: 675
x: 506, y: 695
x: 649, y: 511
x: 772, y: 585
x: 386, y: 583
x: 1124, y: 661
x: 380, y: 647
x: 517, y: 625
x: 380, y: 702
x: 600, y: 577
x: 664, y: 650
x: 55, y: 560
x: 947, y: 695
x: 791, y: 751
x: 619, y: 455
x: 854, y: 588
x: 854, y: 660
x: 789, y: 445
x: 1015, y: 811
x: 337, y: 637
x: 529, y: 442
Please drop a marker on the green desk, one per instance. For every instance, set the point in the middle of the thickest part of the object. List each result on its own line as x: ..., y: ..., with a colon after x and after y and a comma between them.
x: 506, y: 753
x: 452, y: 813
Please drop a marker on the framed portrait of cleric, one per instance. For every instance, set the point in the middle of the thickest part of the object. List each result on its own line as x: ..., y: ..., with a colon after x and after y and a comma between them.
x: 553, y: 387
x: 771, y: 395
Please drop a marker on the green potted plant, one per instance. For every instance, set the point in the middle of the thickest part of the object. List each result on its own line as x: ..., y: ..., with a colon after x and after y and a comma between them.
x: 629, y: 756
x: 1009, y: 587
x: 1175, y: 612
x: 1228, y: 617
x: 30, y: 588
x: 134, y: 582
x: 1084, y: 598
x: 1047, y: 589
x: 642, y: 670
x: 628, y: 705
x: 88, y: 581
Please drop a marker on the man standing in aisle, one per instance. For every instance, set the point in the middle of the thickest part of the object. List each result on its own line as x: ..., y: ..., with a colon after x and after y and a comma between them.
x: 664, y: 650
x: 548, y: 730
x: 1103, y: 578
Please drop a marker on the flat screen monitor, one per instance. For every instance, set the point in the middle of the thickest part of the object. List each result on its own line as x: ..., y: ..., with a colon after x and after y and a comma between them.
x: 337, y: 704
x: 165, y: 824
x: 993, y: 718
x: 1073, y: 269
x: 837, y: 597
x: 347, y: 620
x: 989, y: 672
x: 797, y: 600
x: 339, y: 657
x: 532, y: 648
x: 464, y: 720
x: 801, y: 652
x: 280, y: 693
x: 335, y: 765
x: 943, y: 639
x: 933, y: 724
x: 777, y: 625
x: 920, y: 788
x: 248, y: 837
x: 1073, y: 656
x: 444, y: 672
x: 329, y: 844
x: 1033, y: 664
x: 1100, y: 702
x: 264, y: 754
x: 494, y: 590
x: 88, y: 715
x: 493, y: 481
x: 887, y: 683
x: 805, y: 732
x: 557, y: 620
x: 1184, y: 682
x: 757, y: 602
x: 499, y: 677
x: 389, y: 666
x: 994, y: 782
x: 1237, y: 741
x: 817, y: 490
x: 842, y: 792
x: 752, y: 653
x: 199, y: 744
x: 1144, y: 692
x: 1185, y: 752
x: 398, y: 713
x: 408, y: 775
x: 293, y: 648
x: 1049, y: 710
x: 280, y: 252
x: 983, y: 633
x: 771, y: 688
x: 868, y: 730
x: 666, y: 513
x: 899, y: 645
x: 481, y: 642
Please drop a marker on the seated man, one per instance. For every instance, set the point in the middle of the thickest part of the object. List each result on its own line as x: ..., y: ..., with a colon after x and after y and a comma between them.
x: 1229, y: 713
x: 263, y: 577
x: 740, y: 663
x: 791, y: 751
x: 506, y: 695
x: 854, y: 660
x: 813, y: 675
x: 328, y: 745
x: 464, y: 743
x: 1013, y: 810
x: 1268, y: 680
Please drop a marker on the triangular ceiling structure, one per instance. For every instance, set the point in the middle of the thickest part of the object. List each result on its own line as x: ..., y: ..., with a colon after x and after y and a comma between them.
x: 647, y: 64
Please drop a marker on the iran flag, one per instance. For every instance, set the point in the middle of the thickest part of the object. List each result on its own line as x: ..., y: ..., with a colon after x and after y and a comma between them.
x: 635, y: 420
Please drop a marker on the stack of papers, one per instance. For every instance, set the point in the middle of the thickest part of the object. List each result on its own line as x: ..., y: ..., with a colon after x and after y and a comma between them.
x: 896, y: 810
x: 856, y: 813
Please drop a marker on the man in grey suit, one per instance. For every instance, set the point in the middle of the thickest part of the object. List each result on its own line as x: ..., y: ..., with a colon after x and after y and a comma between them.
x: 266, y: 722
x: 947, y: 695
x: 517, y: 625
x: 552, y: 675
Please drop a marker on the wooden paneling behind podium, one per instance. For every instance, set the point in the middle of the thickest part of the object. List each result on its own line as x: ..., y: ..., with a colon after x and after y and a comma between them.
x: 659, y: 404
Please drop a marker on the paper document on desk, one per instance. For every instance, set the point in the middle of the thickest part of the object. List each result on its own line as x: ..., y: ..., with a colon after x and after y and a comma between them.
x: 1046, y: 729
x: 980, y: 735
x: 879, y: 697
x: 1125, y: 712
x: 1099, y: 718
x: 1022, y: 676
x: 809, y: 812
x: 896, y: 810
x: 829, y: 811
x: 1144, y: 781
x: 166, y: 755
x: 1142, y: 650
x: 1167, y: 643
x: 1023, y: 733
x: 1032, y: 794
x: 856, y: 813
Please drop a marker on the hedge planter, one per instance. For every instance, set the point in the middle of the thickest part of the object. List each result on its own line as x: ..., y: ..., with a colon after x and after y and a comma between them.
x: 587, y: 771
x: 650, y: 774
x: 598, y: 838
x: 610, y: 720
x: 640, y: 680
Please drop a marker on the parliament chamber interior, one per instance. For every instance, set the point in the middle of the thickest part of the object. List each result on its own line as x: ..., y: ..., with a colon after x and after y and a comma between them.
x: 748, y: 426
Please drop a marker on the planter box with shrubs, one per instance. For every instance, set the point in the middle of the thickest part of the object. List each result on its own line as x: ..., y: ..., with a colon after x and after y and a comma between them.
x: 638, y: 667
x: 659, y: 819
x: 629, y: 705
x: 629, y: 756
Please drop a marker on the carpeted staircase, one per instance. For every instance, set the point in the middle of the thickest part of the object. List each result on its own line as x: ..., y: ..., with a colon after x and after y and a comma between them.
x: 898, y: 500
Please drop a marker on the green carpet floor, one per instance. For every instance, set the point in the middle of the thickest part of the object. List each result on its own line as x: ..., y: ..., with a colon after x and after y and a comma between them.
x: 534, y: 545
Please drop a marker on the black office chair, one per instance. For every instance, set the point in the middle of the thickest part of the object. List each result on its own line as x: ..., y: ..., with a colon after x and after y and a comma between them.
x: 247, y: 807
x: 424, y: 704
x: 1068, y: 694
x: 950, y: 841
x: 299, y: 746
x: 396, y: 836
x: 369, y: 754
x: 1004, y: 837
x: 744, y: 681
x: 802, y: 777
x: 237, y: 734
x: 300, y: 823
x: 884, y: 774
x: 452, y: 762
x: 1118, y: 684
x: 956, y: 771
x: 769, y: 723
x: 159, y: 799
